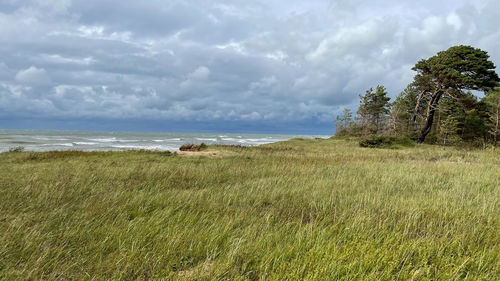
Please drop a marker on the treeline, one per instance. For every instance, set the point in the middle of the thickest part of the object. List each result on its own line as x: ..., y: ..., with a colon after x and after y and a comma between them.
x: 438, y: 107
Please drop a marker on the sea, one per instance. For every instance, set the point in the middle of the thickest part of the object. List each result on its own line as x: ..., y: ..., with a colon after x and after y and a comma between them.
x: 43, y: 140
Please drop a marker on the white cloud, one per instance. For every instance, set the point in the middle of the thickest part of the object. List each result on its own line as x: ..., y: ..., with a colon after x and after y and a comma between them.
x: 264, y: 83
x: 454, y: 20
x: 68, y: 60
x: 201, y: 73
x: 360, y: 40
x: 33, y: 76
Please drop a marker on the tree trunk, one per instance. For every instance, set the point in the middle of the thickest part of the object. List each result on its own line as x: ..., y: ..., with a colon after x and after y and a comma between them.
x: 431, y: 109
x: 496, y: 126
x: 417, y: 105
x: 438, y: 125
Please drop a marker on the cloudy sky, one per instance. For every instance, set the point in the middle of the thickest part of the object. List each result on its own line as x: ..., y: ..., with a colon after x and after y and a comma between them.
x: 198, y: 65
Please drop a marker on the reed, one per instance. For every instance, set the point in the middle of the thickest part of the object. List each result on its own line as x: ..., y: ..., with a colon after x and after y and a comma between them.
x: 295, y: 210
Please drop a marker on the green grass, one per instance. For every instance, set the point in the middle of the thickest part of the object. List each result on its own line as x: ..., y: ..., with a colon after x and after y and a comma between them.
x: 296, y: 210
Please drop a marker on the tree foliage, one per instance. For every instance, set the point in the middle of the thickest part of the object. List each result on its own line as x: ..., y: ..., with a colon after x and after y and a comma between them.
x: 402, y: 112
x: 373, y: 109
x: 448, y: 132
x: 451, y: 72
x: 493, y: 102
x: 345, y: 122
x: 439, y: 103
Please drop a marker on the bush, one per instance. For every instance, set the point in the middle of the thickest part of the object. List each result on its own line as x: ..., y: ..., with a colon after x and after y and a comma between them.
x: 386, y: 142
x: 354, y: 130
x: 16, y: 149
x: 236, y: 146
x: 193, y: 147
x: 404, y: 141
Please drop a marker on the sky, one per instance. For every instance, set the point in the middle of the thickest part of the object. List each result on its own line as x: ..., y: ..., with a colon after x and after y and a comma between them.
x: 249, y: 66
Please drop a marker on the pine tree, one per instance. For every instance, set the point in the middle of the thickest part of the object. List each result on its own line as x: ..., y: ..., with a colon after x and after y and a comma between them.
x: 493, y: 103
x: 373, y: 110
x: 344, y: 123
x: 448, y: 131
x: 449, y: 73
x: 403, y: 116
x: 469, y: 114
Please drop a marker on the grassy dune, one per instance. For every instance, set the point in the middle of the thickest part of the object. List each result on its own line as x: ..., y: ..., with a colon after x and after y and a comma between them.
x: 296, y: 210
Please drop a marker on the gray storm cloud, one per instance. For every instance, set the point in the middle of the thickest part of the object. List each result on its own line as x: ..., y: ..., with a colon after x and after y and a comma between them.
x: 221, y: 60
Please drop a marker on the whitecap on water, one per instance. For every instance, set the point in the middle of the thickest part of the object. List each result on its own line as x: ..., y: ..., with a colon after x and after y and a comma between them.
x: 206, y: 139
x: 147, y: 147
x: 88, y: 141
x: 59, y: 144
x: 104, y: 140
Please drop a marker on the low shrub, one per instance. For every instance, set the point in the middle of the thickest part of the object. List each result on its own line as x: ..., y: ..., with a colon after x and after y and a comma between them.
x: 64, y: 154
x: 16, y: 149
x: 193, y: 147
x: 230, y: 146
x: 386, y: 142
x: 404, y: 141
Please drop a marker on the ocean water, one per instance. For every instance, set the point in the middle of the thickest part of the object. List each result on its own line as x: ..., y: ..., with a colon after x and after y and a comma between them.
x: 38, y: 140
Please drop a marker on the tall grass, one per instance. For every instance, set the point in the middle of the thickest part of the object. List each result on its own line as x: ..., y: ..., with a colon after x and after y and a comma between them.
x: 296, y: 210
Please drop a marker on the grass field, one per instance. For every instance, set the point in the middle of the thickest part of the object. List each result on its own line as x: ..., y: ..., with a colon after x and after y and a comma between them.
x: 296, y: 210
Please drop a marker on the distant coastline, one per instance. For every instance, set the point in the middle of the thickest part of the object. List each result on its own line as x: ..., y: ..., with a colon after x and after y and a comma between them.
x: 46, y: 140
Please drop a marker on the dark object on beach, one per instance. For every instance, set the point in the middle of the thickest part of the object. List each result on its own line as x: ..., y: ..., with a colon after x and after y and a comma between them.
x: 16, y: 149
x: 193, y: 147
